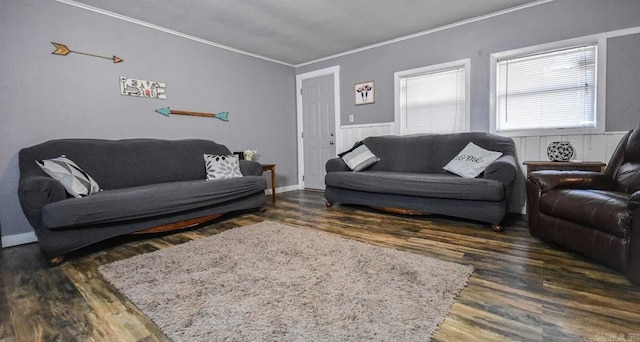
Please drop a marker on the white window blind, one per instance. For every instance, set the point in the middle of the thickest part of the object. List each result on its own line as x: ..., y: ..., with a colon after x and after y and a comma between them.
x: 550, y: 90
x: 433, y: 102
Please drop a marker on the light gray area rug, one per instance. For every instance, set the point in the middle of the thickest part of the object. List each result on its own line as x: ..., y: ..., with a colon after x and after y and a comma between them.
x: 273, y: 282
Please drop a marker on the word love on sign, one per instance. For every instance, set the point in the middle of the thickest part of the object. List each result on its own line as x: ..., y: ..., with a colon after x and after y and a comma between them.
x: 142, y: 88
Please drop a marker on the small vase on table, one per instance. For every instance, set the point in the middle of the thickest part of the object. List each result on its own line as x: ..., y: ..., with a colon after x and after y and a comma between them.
x: 249, y: 154
x: 560, y: 151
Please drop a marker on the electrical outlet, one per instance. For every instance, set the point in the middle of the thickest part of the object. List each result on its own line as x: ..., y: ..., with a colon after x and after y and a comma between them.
x: 351, y: 118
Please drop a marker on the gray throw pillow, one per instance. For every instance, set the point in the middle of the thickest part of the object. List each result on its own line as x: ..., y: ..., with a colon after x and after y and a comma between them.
x: 76, y: 181
x: 360, y: 158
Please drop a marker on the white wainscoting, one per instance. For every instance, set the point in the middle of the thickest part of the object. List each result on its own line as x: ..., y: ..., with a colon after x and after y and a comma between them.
x: 354, y: 133
x: 588, y: 147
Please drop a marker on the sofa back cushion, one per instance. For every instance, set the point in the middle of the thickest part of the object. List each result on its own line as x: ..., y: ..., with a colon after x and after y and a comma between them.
x: 117, y: 164
x: 429, y: 153
x: 628, y: 173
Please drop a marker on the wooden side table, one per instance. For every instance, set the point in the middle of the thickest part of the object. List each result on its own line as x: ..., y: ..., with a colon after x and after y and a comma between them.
x: 271, y: 168
x: 564, y: 166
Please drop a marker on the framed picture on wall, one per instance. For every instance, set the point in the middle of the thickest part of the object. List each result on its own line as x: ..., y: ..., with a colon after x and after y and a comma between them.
x: 239, y: 155
x: 364, y: 93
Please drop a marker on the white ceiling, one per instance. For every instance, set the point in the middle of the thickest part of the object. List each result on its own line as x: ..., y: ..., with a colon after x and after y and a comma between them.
x: 294, y: 32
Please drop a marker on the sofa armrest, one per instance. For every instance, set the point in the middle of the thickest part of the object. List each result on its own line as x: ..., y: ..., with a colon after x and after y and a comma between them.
x: 250, y: 168
x: 336, y: 164
x: 553, y: 179
x: 36, y: 192
x: 503, y: 169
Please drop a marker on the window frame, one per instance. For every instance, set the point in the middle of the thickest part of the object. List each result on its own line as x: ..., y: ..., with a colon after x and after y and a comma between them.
x: 600, y: 88
x: 397, y: 76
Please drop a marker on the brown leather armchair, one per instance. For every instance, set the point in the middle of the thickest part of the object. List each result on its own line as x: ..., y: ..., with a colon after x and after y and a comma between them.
x: 594, y: 214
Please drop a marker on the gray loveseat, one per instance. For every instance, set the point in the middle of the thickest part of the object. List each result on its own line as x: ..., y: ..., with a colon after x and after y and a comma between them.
x: 147, y: 184
x: 409, y: 177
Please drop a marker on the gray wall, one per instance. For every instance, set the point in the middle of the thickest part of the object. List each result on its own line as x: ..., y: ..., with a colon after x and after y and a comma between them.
x: 623, y: 82
x: 554, y: 21
x: 45, y: 96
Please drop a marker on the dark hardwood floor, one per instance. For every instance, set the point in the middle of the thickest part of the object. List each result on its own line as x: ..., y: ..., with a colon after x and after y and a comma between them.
x: 522, y: 289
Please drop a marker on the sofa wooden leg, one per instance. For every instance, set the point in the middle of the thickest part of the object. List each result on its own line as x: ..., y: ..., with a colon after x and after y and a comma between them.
x: 497, y: 228
x: 262, y: 209
x: 57, y: 261
x: 329, y: 204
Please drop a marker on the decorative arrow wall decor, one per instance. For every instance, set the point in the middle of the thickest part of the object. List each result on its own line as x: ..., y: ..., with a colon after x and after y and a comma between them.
x: 224, y: 116
x: 63, y: 50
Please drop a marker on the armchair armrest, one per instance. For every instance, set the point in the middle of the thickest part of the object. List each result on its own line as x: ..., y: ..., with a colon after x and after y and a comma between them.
x: 634, y: 201
x: 37, y: 191
x: 336, y: 164
x: 552, y: 179
x: 633, y: 273
x: 250, y: 168
x: 503, y: 169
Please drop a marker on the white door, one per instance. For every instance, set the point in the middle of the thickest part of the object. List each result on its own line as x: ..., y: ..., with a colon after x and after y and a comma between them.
x: 318, y: 129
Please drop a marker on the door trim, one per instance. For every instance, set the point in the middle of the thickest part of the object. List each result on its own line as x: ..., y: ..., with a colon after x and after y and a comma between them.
x: 335, y: 71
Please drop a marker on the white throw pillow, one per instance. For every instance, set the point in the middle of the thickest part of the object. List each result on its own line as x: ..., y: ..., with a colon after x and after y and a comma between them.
x: 360, y: 158
x: 77, y: 182
x: 221, y: 166
x: 471, y: 161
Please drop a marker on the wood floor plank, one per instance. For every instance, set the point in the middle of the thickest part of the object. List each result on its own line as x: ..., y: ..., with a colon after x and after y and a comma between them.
x: 39, y: 305
x: 456, y: 328
x: 486, y: 324
x: 522, y: 289
x: 110, y: 311
x: 6, y: 328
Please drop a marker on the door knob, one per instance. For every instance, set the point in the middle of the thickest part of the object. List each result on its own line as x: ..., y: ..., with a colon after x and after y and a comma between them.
x: 331, y: 142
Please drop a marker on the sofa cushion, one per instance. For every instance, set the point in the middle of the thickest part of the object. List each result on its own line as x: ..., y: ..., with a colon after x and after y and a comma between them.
x: 119, y: 164
x: 606, y: 211
x: 221, y: 166
x: 147, y: 201
x: 471, y: 161
x: 429, y: 153
x: 417, y: 184
x: 75, y: 180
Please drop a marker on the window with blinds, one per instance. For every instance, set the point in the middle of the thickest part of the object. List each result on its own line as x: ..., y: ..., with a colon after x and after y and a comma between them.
x: 547, y: 90
x: 433, y: 99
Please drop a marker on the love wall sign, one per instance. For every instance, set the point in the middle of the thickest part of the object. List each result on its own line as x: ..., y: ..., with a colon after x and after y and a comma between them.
x: 142, y: 88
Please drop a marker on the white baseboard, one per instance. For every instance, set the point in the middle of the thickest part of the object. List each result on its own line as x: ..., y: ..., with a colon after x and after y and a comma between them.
x: 284, y: 189
x: 18, y: 239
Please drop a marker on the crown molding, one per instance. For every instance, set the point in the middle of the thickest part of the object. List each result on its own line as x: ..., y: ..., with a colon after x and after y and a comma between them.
x: 424, y: 33
x: 368, y: 47
x: 166, y: 30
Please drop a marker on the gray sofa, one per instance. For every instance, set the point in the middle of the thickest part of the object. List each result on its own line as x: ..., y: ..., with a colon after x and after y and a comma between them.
x: 409, y: 178
x: 146, y: 183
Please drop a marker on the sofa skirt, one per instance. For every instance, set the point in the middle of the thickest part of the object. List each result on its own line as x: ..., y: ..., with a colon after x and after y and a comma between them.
x: 484, y: 211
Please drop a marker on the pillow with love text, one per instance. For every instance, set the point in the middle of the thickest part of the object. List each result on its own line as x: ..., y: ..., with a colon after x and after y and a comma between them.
x: 471, y: 161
